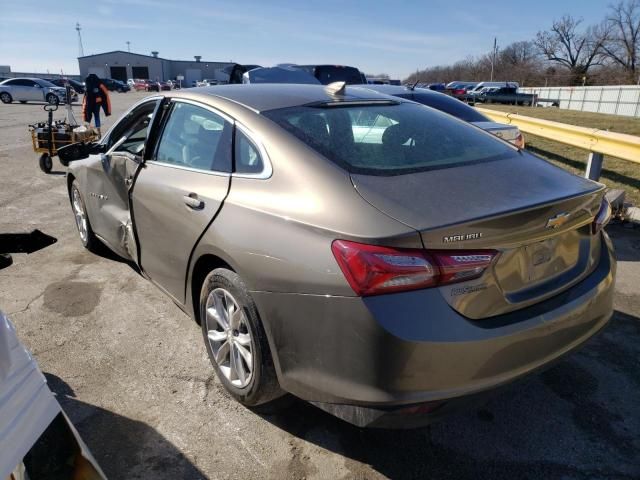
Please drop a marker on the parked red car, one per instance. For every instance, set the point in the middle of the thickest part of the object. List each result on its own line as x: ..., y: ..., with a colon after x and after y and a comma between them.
x: 139, y: 84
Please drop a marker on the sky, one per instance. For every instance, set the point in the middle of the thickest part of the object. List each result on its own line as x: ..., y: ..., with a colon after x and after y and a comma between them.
x: 390, y: 36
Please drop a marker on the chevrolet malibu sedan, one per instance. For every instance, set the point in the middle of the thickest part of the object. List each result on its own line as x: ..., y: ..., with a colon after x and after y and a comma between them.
x: 381, y: 259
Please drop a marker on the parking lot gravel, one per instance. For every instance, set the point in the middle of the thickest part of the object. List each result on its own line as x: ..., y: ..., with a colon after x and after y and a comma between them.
x: 131, y: 371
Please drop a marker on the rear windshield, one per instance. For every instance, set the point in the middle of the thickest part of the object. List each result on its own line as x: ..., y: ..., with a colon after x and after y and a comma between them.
x: 450, y: 105
x: 389, y: 139
x: 330, y: 74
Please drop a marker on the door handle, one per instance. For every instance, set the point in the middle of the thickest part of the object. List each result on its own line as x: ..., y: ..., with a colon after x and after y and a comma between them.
x: 192, y: 201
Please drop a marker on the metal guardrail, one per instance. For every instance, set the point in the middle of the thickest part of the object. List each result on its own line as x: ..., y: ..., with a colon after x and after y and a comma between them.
x: 598, y: 142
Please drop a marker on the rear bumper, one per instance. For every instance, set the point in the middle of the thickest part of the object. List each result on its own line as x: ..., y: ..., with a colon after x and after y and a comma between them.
x: 364, y: 359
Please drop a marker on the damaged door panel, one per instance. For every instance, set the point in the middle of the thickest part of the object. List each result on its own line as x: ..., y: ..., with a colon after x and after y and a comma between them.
x: 110, y: 181
x: 180, y: 191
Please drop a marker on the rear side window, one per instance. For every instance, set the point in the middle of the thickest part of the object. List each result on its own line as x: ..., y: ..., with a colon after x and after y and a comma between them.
x: 195, y: 137
x: 247, y: 156
x: 389, y: 139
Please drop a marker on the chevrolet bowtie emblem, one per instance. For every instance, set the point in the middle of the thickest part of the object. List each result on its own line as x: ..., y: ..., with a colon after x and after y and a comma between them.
x: 558, y: 220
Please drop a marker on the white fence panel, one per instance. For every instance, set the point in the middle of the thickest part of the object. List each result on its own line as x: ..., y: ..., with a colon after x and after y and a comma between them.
x: 612, y: 99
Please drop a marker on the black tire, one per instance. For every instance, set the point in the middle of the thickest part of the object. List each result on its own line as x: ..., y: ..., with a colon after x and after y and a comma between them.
x: 5, y: 97
x: 5, y: 260
x: 46, y: 163
x: 263, y: 392
x: 90, y: 242
x: 52, y: 99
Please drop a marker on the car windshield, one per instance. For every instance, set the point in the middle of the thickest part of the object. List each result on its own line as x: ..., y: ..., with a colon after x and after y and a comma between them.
x: 383, y: 139
x: 45, y: 83
x: 451, y: 106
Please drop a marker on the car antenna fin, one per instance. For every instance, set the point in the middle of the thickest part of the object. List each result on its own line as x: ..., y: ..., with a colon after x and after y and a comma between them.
x: 336, y: 88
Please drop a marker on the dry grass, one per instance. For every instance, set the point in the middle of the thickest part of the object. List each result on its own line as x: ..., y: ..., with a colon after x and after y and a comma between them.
x: 616, y: 173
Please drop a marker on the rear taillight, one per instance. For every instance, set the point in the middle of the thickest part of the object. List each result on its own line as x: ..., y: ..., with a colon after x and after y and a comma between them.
x: 602, y: 217
x: 459, y: 91
x: 519, y: 141
x: 373, y: 270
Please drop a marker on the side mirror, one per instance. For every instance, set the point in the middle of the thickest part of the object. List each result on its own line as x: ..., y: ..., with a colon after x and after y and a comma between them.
x: 78, y: 151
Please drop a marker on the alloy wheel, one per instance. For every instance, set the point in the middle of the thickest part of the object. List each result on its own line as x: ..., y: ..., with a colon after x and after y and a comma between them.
x: 229, y: 337
x: 79, y: 214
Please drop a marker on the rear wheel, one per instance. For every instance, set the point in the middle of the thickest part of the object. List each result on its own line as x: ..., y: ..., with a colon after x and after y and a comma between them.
x: 236, y: 342
x: 87, y: 237
x: 46, y: 163
x: 52, y: 99
x: 5, y: 97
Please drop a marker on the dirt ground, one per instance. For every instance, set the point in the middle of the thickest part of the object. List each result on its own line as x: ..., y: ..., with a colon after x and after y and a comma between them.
x: 131, y: 371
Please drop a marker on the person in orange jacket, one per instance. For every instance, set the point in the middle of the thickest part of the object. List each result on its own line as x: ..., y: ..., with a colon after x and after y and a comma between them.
x: 96, y: 97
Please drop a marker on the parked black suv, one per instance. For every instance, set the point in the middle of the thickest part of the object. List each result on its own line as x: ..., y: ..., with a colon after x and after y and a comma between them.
x: 327, y: 74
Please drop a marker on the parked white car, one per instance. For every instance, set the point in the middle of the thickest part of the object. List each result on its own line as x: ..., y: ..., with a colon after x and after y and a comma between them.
x: 32, y: 90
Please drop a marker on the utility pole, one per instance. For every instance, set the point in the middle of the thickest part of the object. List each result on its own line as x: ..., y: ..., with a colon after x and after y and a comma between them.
x: 80, y: 49
x: 128, y: 46
x: 493, y: 55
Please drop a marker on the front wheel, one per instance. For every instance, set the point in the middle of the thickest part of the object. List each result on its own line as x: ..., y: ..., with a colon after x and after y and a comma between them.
x: 87, y: 237
x: 236, y: 341
x: 46, y: 163
x: 5, y: 97
x: 52, y: 99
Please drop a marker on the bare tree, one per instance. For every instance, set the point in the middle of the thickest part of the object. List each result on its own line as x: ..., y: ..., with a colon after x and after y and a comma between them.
x: 519, y: 53
x: 576, y: 50
x: 623, y: 43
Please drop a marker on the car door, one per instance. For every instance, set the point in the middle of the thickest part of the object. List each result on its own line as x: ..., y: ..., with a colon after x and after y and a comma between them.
x: 19, y: 90
x: 33, y: 91
x: 180, y: 190
x: 109, y: 181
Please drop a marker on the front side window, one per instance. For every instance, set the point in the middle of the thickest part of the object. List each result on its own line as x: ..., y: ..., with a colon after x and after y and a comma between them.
x: 196, y: 137
x: 135, y: 127
x: 389, y: 139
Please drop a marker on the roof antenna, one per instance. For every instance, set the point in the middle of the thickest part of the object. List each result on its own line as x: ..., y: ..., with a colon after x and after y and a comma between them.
x: 336, y: 88
x: 413, y: 87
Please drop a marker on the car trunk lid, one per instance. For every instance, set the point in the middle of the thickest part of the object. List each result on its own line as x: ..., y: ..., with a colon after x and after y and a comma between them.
x: 536, y: 215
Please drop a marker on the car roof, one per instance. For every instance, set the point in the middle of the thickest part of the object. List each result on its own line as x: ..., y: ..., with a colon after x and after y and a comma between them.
x: 261, y: 97
x: 27, y: 78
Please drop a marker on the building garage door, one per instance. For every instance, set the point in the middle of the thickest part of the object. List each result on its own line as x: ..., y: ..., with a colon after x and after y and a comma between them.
x: 140, y: 72
x: 191, y: 76
x: 119, y: 73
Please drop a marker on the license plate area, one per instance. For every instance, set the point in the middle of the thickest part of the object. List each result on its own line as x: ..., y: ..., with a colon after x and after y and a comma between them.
x: 552, y: 257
